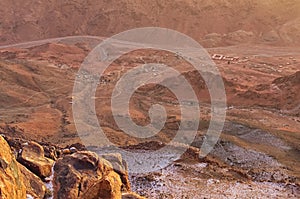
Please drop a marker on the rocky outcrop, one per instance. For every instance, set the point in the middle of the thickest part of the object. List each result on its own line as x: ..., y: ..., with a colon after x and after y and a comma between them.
x: 120, y: 167
x: 271, y: 36
x: 239, y: 36
x: 78, y: 175
x: 11, y: 180
x: 34, y: 185
x: 85, y: 175
x: 109, y: 187
x: 32, y: 156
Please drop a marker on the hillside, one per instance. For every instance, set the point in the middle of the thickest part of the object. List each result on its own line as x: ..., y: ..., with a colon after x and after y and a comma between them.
x: 213, y: 23
x: 49, y: 112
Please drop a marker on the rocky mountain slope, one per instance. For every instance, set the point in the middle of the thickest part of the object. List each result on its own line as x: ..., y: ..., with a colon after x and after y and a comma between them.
x: 257, y: 154
x: 258, y: 149
x: 213, y: 23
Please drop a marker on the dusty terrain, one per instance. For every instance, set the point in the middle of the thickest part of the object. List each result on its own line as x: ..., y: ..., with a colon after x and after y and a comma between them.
x: 259, y: 146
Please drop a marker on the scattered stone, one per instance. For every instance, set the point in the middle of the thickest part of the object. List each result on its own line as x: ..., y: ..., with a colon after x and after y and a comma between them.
x: 73, y: 150
x: 66, y: 151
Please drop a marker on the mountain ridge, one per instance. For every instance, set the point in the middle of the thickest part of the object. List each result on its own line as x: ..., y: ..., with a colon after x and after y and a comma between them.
x: 250, y: 21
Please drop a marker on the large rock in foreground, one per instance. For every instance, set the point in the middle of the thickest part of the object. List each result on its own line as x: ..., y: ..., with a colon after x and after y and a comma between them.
x: 11, y: 180
x: 32, y: 156
x: 84, y: 175
x: 120, y: 167
x: 34, y: 185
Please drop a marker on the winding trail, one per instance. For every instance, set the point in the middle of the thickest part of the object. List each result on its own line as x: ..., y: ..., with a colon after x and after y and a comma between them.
x: 43, y: 41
